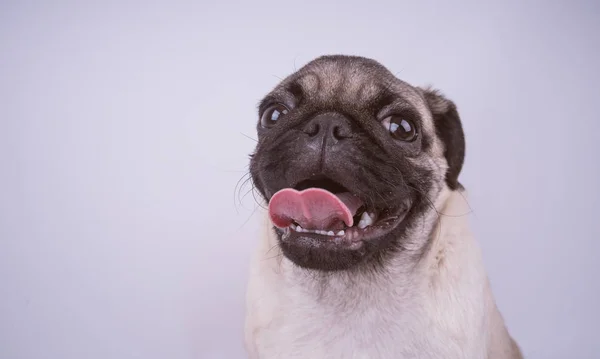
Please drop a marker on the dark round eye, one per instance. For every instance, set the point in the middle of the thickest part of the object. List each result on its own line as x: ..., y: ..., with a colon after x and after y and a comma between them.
x: 273, y: 114
x: 400, y: 128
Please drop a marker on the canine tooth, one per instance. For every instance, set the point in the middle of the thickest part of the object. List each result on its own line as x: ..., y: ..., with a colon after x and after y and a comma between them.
x: 330, y: 233
x: 299, y: 229
x: 341, y: 233
x: 365, y: 221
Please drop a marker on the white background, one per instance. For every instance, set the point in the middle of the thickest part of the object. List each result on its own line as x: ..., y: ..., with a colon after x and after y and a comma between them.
x: 123, y: 134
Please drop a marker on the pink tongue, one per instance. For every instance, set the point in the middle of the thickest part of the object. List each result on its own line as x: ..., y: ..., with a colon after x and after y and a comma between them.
x: 313, y: 208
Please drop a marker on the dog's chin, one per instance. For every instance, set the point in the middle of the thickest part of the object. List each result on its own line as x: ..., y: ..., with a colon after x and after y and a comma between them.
x: 373, y: 234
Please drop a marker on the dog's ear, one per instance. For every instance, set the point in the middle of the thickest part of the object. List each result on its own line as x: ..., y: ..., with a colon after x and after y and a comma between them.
x: 449, y: 129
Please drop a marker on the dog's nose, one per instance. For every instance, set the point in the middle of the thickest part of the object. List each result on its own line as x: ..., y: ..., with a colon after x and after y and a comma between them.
x: 330, y: 128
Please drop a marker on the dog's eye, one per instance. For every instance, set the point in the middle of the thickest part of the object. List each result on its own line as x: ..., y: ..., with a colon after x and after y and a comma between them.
x: 273, y: 114
x: 400, y: 128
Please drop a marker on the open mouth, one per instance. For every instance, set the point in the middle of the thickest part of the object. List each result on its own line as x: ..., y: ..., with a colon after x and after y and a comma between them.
x: 320, y: 208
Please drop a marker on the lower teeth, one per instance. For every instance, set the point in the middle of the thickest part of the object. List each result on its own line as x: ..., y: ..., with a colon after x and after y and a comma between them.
x: 366, y: 220
x: 299, y: 229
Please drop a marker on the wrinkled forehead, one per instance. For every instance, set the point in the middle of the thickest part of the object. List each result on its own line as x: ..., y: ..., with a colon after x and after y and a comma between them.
x: 349, y: 82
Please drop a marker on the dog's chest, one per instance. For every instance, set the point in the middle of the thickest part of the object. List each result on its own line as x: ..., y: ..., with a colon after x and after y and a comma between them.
x: 376, y: 325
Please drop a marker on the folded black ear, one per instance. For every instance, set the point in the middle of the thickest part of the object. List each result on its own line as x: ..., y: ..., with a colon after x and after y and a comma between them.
x: 449, y: 129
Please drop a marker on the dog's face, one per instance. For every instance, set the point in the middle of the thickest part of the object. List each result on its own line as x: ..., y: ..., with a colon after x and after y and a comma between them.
x: 350, y: 159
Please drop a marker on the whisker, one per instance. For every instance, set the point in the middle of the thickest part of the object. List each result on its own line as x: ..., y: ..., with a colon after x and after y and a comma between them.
x: 280, y: 255
x: 431, y: 203
x: 238, y: 188
x: 248, y: 219
x: 270, y: 249
x: 259, y: 203
x: 471, y: 210
x: 249, y: 137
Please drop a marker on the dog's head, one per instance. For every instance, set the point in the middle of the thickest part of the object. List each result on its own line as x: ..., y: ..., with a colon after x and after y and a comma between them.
x: 350, y: 158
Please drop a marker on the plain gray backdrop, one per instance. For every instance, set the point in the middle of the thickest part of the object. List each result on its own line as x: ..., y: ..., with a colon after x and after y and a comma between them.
x: 124, y: 128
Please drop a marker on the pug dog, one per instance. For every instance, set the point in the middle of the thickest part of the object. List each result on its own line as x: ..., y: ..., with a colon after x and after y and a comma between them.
x: 366, y: 250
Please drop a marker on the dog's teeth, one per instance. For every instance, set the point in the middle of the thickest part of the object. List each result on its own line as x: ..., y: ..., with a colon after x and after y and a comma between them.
x: 373, y: 217
x: 297, y: 228
x: 365, y: 221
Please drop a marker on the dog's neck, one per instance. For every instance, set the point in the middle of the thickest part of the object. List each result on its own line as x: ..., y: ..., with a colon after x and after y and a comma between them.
x: 436, y: 247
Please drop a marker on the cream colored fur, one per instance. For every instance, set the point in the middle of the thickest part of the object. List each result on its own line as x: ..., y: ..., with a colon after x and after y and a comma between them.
x: 436, y: 304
